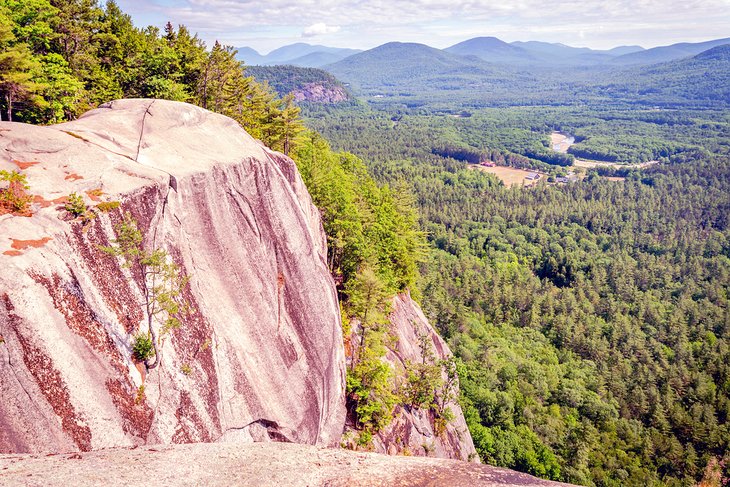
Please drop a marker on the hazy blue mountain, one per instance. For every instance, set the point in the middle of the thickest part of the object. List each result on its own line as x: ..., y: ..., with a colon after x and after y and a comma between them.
x: 285, y: 54
x: 319, y: 58
x: 551, y: 49
x: 299, y: 54
x: 249, y: 56
x: 669, y: 53
x: 621, y: 50
x: 701, y: 80
x: 493, y: 50
x: 556, y: 53
x: 719, y: 53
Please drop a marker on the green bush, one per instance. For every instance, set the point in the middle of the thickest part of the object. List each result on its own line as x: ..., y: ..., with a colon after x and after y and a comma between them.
x: 142, y: 347
x: 76, y: 205
x: 108, y: 206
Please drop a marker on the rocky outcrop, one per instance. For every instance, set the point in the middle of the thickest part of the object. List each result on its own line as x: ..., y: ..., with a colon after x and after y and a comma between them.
x: 253, y: 465
x: 321, y: 93
x: 260, y: 354
x: 414, y: 430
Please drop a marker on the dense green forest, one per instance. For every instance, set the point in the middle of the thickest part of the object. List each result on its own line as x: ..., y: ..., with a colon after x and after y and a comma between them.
x: 519, y: 136
x: 591, y: 319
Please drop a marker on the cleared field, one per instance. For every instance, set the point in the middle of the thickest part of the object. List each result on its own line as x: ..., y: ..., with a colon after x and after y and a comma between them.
x: 561, y: 142
x: 592, y: 164
x: 508, y: 175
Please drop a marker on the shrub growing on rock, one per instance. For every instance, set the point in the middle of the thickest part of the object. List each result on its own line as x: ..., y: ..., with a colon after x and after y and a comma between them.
x: 142, y: 347
x: 75, y: 205
x: 162, y: 286
x: 14, y: 198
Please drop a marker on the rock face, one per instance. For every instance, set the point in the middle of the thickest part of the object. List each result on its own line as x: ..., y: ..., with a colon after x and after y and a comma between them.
x: 413, y: 430
x: 258, y: 464
x: 321, y: 93
x: 260, y: 354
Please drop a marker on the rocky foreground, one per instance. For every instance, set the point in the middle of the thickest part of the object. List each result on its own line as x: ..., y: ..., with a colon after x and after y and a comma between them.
x: 258, y: 464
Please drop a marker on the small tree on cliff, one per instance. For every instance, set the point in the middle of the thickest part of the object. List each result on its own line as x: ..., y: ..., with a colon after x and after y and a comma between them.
x: 162, y: 283
x: 370, y: 392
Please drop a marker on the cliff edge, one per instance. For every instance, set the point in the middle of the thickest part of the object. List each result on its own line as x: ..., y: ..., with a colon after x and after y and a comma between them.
x: 259, y: 464
x: 417, y: 431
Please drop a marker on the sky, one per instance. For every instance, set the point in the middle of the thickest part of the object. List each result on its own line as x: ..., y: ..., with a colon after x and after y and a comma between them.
x: 266, y: 25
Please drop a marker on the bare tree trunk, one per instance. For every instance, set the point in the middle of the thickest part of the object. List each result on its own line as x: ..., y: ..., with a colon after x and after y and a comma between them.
x: 154, y: 345
x: 9, y: 100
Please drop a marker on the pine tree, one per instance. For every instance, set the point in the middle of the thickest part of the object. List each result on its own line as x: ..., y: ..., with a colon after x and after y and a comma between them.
x: 17, y: 69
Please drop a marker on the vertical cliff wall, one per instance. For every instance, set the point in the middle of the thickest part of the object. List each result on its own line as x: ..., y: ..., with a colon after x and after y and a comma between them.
x: 259, y: 355
x: 414, y: 430
x: 417, y: 431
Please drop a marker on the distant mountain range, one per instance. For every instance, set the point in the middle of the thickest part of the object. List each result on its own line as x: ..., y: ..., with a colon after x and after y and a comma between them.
x: 669, y: 53
x: 403, y: 63
x: 491, y: 50
x: 488, y: 71
x: 299, y: 54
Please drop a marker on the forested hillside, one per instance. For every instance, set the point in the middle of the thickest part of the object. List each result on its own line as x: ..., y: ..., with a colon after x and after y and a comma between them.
x: 306, y: 84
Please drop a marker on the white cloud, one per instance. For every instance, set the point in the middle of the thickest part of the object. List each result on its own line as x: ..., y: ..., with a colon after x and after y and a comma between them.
x: 320, y: 28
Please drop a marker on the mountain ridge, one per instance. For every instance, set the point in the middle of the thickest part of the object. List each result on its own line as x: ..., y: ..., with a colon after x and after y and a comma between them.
x: 493, y: 50
x: 297, y: 54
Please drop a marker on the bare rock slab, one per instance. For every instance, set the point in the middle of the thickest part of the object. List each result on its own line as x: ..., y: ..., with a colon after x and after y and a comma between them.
x: 260, y: 464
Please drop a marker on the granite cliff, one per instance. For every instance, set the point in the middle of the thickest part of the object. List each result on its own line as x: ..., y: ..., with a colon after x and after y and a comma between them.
x: 416, y: 431
x: 260, y: 354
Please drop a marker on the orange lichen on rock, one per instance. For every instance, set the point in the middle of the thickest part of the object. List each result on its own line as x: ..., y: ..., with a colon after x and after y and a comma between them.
x: 73, y: 177
x: 25, y: 165
x: 24, y: 244
x: 44, y: 203
x: 13, y: 253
